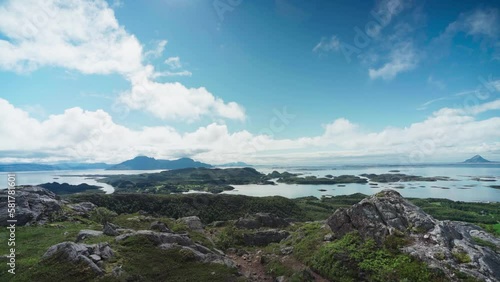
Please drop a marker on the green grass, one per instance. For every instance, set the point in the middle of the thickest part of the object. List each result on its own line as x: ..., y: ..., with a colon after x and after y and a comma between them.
x: 306, y: 240
x: 486, y: 213
x: 496, y: 227
x: 145, y: 262
x: 33, y: 241
x: 141, y: 222
x: 461, y: 257
x: 276, y: 268
x: 352, y: 259
x: 229, y: 237
x: 229, y: 207
x: 141, y: 260
x: 484, y: 243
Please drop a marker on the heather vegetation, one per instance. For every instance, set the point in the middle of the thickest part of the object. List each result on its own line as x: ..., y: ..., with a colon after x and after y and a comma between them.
x: 303, y: 254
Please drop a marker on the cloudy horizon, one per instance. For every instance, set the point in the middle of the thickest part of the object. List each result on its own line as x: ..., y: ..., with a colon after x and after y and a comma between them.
x: 274, y: 82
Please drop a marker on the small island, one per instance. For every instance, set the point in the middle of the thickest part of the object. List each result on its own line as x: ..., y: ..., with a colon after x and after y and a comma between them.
x: 218, y: 180
x: 183, y: 180
x: 66, y: 189
x: 398, y: 177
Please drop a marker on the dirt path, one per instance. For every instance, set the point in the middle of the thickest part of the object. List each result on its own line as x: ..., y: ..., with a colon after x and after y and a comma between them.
x: 251, y: 267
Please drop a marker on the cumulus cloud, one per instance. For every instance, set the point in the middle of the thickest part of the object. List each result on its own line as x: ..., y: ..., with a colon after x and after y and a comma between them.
x: 82, y: 36
x: 175, y: 101
x: 76, y: 134
x: 85, y: 36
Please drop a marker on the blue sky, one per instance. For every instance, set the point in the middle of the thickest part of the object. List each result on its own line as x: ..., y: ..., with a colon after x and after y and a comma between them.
x: 271, y: 82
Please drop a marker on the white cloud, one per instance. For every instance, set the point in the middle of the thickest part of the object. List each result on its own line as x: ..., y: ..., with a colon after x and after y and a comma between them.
x: 481, y: 108
x: 483, y: 24
x: 172, y: 73
x: 393, y: 52
x: 76, y: 35
x: 384, y: 12
x: 402, y: 58
x: 76, y: 134
x: 174, y: 62
x: 493, y: 85
x: 480, y: 22
x: 175, y: 101
x: 328, y: 44
x: 85, y: 36
x: 428, y: 103
x: 158, y: 51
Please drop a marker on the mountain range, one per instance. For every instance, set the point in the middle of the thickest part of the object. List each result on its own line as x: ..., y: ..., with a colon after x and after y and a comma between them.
x: 147, y: 163
x: 137, y: 163
x: 15, y: 167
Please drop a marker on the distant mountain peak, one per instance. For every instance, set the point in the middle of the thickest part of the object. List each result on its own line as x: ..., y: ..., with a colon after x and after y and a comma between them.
x: 143, y: 157
x: 149, y: 163
x: 477, y: 159
x: 235, y: 164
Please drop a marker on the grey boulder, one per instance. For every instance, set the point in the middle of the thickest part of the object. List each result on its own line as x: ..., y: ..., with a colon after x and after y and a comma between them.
x: 33, y: 205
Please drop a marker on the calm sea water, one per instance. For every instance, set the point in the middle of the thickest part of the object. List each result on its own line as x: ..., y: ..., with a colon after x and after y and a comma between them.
x: 462, y: 187
x: 73, y: 177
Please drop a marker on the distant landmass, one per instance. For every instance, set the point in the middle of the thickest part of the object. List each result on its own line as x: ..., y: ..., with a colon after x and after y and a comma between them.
x: 65, y: 188
x: 15, y: 167
x: 235, y: 164
x: 147, y: 163
x: 477, y: 159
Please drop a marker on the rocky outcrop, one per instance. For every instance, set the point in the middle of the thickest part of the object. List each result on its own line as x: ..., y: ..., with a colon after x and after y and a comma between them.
x: 168, y: 241
x: 110, y: 229
x: 259, y: 220
x: 158, y: 238
x: 83, y: 208
x: 160, y: 226
x: 33, y: 205
x: 83, y: 234
x: 447, y: 245
x: 193, y: 223
x: 380, y: 215
x: 90, y: 255
x: 264, y: 237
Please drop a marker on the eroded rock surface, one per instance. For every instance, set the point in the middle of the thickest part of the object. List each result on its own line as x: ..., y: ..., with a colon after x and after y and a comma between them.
x: 33, y: 205
x: 83, y: 208
x: 89, y: 255
x: 193, y: 223
x: 447, y: 245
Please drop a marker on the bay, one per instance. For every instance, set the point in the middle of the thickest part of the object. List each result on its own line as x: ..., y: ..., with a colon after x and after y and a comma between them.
x: 461, y: 187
